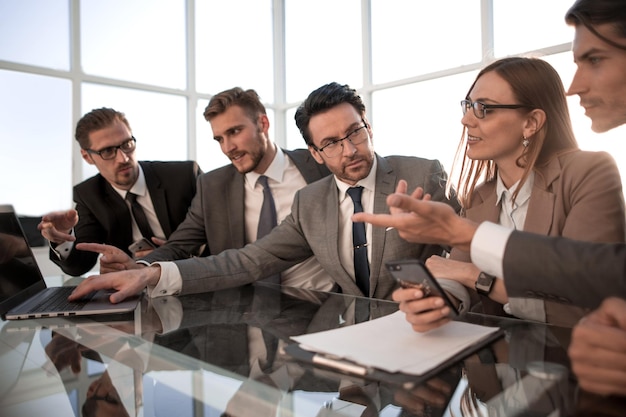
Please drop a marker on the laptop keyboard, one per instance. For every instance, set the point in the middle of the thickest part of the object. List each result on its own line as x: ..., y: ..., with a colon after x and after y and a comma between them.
x: 58, y: 301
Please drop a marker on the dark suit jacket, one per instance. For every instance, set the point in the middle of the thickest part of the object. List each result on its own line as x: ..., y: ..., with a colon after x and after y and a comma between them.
x: 104, y: 216
x: 564, y: 270
x: 216, y: 216
x: 312, y: 229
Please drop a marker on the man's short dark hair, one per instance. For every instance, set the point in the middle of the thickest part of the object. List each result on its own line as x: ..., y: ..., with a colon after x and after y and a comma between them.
x: 322, y: 99
x: 95, y: 120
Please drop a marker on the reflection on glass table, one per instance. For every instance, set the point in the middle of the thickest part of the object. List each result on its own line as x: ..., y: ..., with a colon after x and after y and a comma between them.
x: 222, y: 354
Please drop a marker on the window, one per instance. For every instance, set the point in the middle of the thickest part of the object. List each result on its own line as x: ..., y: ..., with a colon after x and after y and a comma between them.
x: 322, y: 44
x: 517, y: 29
x: 36, y: 136
x: 160, y: 61
x: 234, y: 46
x: 425, y: 120
x: 46, y: 32
x: 139, y: 40
x: 408, y: 37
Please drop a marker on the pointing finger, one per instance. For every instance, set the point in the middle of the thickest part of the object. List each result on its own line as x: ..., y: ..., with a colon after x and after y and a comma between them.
x: 95, y: 247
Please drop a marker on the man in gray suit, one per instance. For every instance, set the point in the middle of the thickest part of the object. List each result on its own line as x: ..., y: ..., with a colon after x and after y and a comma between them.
x: 224, y: 213
x: 572, y: 272
x: 333, y: 123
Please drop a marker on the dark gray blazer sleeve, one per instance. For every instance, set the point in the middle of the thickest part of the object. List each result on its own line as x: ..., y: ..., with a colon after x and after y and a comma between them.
x: 564, y: 270
x: 284, y: 247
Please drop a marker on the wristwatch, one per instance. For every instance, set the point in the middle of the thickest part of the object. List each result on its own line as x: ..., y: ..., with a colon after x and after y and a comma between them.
x: 484, y: 283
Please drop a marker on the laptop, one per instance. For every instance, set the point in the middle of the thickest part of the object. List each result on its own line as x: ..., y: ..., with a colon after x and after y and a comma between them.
x: 23, y: 291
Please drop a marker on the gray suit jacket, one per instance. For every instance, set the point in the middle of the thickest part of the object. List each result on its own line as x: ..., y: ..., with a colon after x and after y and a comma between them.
x: 216, y: 216
x: 312, y: 229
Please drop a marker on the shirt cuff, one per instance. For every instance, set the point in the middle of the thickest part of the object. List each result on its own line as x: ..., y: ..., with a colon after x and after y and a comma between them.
x: 62, y: 250
x: 170, y: 313
x: 170, y: 281
x: 487, y: 248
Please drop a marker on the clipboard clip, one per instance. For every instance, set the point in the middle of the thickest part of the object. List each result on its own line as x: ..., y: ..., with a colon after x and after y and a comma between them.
x: 340, y: 364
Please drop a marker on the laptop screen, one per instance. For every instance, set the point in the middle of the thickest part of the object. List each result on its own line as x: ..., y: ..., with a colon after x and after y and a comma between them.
x: 19, y: 273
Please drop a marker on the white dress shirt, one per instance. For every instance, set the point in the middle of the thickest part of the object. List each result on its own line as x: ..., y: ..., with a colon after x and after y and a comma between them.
x: 143, y: 198
x: 489, y: 242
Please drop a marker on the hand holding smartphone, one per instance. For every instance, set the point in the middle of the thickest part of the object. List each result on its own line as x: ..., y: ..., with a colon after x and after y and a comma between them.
x: 412, y: 273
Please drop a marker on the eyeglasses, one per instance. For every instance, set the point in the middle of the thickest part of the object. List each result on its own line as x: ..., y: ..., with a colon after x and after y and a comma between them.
x: 107, y: 398
x: 335, y: 147
x: 111, y: 152
x: 480, y: 109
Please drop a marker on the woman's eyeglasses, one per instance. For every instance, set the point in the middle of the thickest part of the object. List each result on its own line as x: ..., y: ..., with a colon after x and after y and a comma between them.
x: 480, y: 109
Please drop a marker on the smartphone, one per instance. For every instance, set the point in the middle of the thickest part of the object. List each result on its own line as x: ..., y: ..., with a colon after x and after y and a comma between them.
x: 412, y: 273
x: 141, y: 245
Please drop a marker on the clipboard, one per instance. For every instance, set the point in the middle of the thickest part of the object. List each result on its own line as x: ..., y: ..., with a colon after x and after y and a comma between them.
x: 406, y: 381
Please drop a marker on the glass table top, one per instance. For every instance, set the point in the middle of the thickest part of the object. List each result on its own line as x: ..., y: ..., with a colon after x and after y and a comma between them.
x: 222, y: 354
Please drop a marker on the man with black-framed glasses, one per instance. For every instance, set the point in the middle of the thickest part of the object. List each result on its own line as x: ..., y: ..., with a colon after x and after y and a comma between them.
x: 333, y: 123
x: 125, y: 203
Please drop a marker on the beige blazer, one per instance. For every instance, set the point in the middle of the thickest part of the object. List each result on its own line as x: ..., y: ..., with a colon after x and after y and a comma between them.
x: 578, y: 195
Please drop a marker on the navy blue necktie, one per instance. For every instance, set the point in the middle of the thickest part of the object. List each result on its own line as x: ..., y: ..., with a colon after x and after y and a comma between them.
x: 267, y: 219
x: 359, y: 240
x: 140, y: 216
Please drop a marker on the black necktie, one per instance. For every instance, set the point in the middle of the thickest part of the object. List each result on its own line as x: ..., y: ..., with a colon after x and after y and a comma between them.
x: 140, y: 216
x: 267, y: 219
x: 359, y: 240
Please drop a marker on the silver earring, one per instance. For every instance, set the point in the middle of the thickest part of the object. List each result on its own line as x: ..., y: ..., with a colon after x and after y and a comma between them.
x: 525, y: 142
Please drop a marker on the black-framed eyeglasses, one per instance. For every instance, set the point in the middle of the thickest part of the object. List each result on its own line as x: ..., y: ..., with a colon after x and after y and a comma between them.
x: 356, y: 137
x: 107, y: 398
x: 127, y: 147
x: 480, y: 109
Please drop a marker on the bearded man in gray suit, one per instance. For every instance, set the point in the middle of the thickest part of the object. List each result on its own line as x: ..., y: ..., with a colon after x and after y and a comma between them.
x: 334, y: 125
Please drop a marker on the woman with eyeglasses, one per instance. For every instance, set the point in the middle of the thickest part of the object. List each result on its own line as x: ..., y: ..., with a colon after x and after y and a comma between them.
x: 518, y: 164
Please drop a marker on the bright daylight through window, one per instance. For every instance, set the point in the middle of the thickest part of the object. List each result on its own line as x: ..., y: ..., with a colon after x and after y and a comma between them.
x: 164, y: 59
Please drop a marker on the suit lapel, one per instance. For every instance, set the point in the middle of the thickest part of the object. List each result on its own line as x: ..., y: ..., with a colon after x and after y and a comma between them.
x: 157, y: 195
x: 542, y: 201
x: 540, y: 207
x: 310, y: 170
x: 385, y: 185
x: 485, y: 208
x: 235, y: 195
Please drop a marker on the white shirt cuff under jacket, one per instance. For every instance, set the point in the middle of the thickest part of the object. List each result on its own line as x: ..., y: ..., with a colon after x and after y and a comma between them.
x: 487, y: 248
x: 170, y: 281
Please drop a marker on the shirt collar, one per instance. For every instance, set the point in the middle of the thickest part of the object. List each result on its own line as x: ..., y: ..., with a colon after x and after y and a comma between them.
x: 369, y: 182
x: 275, y: 171
x: 524, y: 192
x: 139, y: 187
